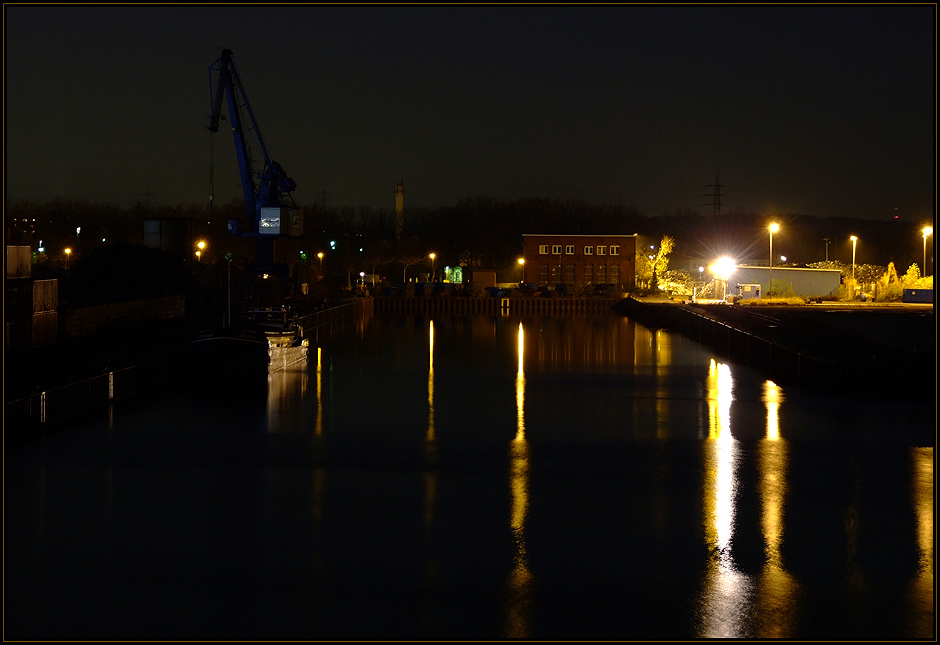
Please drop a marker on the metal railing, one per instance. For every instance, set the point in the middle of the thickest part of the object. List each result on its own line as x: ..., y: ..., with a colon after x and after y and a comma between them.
x: 26, y: 415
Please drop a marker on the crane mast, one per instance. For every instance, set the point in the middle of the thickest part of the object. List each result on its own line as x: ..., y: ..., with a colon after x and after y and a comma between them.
x: 270, y: 210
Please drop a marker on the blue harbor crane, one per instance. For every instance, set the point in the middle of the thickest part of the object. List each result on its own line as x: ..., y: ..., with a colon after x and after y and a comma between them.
x: 270, y: 210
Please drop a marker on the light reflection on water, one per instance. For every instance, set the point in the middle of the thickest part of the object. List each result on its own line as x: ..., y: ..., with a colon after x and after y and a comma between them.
x: 493, y: 477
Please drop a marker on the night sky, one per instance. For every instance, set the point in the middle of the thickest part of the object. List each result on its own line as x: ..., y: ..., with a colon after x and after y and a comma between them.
x: 825, y: 111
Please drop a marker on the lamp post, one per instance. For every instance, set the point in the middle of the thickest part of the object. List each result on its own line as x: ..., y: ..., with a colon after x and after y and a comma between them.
x: 826, y: 240
x: 522, y: 270
x: 770, y: 286
x: 68, y: 253
x: 927, y: 231
x: 432, y: 256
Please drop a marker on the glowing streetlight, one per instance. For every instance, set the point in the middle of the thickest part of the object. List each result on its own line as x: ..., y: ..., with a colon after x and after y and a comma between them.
x: 432, y: 256
x: 68, y: 253
x: 320, y: 255
x: 522, y: 268
x: 723, y: 268
x: 773, y: 229
x: 927, y: 231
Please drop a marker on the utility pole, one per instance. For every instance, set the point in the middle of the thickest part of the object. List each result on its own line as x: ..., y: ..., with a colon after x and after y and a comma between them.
x: 715, y: 195
x: 399, y: 209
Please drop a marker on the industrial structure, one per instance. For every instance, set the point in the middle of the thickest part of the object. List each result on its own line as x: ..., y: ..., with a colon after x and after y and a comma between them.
x: 579, y: 260
x: 755, y: 282
x: 270, y: 210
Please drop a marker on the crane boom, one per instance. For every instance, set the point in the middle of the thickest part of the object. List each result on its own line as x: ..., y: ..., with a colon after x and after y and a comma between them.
x: 269, y: 202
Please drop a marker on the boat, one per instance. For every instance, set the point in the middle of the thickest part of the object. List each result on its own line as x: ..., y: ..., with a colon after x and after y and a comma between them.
x: 267, y: 342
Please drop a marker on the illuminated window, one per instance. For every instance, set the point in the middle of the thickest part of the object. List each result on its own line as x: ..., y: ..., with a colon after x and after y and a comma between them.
x: 556, y: 249
x: 569, y: 250
x: 588, y: 250
x: 543, y: 249
x: 614, y: 250
x: 601, y: 250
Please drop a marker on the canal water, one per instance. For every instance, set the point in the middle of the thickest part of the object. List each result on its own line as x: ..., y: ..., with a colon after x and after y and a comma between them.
x: 478, y: 478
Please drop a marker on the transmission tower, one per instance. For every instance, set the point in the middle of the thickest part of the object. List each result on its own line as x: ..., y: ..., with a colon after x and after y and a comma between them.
x: 715, y: 195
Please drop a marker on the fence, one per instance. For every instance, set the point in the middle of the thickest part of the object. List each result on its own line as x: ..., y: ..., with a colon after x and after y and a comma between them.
x: 323, y: 322
x: 24, y: 416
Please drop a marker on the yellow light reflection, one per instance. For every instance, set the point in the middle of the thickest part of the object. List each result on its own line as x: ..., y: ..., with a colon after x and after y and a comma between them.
x: 520, y: 389
x: 430, y: 433
x: 318, y: 430
x: 285, y: 389
x: 430, y: 471
x: 921, y: 589
x: 773, y: 397
x: 319, y: 475
x: 519, y: 584
x: 776, y: 598
x: 663, y: 358
x: 725, y: 591
x: 430, y: 451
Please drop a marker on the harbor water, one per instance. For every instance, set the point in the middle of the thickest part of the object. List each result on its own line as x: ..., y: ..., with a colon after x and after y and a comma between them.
x: 479, y: 477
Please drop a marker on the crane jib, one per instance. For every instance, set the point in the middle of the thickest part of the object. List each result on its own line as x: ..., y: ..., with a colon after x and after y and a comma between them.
x: 269, y: 205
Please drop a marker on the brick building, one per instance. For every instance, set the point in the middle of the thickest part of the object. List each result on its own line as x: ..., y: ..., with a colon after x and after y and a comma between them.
x: 580, y: 260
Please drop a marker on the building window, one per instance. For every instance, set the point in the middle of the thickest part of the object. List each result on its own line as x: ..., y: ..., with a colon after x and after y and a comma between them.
x: 543, y: 274
x: 569, y: 274
x: 601, y: 250
x: 601, y: 274
x: 556, y: 249
x: 588, y: 250
x: 588, y: 273
x: 543, y: 249
x: 556, y: 273
x: 614, y: 250
x: 569, y: 250
x: 614, y: 272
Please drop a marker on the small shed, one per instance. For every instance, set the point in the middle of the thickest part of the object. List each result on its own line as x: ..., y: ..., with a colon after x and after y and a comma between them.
x: 749, y: 291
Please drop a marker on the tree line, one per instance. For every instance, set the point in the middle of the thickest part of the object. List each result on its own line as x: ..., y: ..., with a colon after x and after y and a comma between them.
x: 477, y: 232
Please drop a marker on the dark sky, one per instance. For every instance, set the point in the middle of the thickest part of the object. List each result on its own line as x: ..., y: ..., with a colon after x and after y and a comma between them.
x: 827, y: 111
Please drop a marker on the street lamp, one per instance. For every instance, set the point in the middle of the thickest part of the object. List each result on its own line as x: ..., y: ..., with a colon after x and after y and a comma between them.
x: 827, y: 240
x: 770, y: 286
x: 68, y: 252
x: 320, y: 255
x: 723, y: 268
x: 927, y: 231
x: 432, y: 256
x: 522, y: 269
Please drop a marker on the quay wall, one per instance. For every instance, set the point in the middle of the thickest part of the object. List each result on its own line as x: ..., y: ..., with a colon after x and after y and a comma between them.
x: 491, y: 305
x: 820, y: 358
